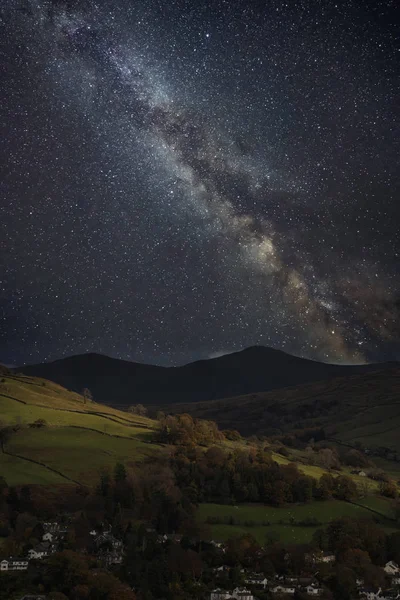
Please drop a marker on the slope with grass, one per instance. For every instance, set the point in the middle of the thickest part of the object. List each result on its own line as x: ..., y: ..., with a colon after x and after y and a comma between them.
x: 77, y: 440
x: 287, y: 524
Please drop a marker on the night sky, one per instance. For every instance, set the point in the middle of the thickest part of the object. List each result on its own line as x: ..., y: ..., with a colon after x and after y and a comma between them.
x: 182, y: 179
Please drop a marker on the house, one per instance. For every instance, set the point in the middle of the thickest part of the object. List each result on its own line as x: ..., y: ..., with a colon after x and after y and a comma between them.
x: 242, y: 594
x: 389, y: 595
x: 283, y: 588
x: 219, y: 594
x: 14, y: 564
x: 391, y: 568
x: 216, y: 544
x: 370, y: 593
x: 236, y: 594
x: 111, y: 558
x: 107, y: 537
x: 48, y: 537
x: 320, y: 557
x: 313, y: 590
x: 256, y: 579
x: 41, y: 550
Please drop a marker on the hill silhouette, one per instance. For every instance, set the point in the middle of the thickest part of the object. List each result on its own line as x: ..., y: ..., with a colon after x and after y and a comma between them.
x: 122, y: 383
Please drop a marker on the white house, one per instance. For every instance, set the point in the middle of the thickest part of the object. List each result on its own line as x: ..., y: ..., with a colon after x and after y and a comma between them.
x: 391, y: 568
x: 41, y: 550
x: 242, y: 594
x: 48, y: 537
x: 313, y: 590
x: 283, y: 588
x: 14, y: 564
x: 219, y: 594
x: 256, y: 579
x: 370, y: 594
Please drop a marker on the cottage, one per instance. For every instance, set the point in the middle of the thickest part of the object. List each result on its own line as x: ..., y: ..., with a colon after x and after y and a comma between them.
x: 14, y: 564
x: 283, y: 588
x: 257, y: 579
x: 242, y: 594
x: 313, y: 590
x: 48, y: 537
x: 41, y: 550
x: 370, y: 593
x: 219, y: 594
x: 391, y: 568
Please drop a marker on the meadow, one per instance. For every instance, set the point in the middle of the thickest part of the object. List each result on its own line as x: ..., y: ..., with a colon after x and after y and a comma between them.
x: 283, y: 522
x: 77, y: 441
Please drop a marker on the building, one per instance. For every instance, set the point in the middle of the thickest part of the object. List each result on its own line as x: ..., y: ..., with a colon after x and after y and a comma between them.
x: 283, y: 588
x: 219, y: 594
x: 14, y: 564
x: 391, y: 568
x: 313, y: 590
x: 256, y: 579
x: 236, y: 594
x: 242, y: 594
x: 41, y: 550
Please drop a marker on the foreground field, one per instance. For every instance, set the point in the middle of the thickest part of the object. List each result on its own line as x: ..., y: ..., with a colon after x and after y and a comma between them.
x: 284, y: 523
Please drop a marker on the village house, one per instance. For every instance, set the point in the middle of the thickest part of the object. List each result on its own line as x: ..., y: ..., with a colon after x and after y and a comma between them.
x: 48, y: 537
x: 30, y: 597
x: 41, y: 550
x: 320, y: 557
x: 392, y: 568
x: 313, y: 589
x: 14, y: 564
x: 219, y: 594
x: 108, y: 538
x: 256, y: 579
x: 370, y: 593
x: 283, y: 588
x: 236, y: 594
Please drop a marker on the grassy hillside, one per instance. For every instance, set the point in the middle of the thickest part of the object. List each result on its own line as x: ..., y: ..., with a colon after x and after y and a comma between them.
x: 284, y: 523
x: 78, y: 439
x: 364, y: 408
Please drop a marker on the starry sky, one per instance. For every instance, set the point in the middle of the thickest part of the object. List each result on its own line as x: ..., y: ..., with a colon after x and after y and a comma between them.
x: 184, y: 179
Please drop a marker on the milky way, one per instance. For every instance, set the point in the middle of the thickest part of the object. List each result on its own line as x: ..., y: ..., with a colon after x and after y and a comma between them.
x: 186, y: 179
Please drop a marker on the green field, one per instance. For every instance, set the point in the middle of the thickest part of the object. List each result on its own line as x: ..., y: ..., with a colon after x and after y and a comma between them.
x: 78, y: 440
x: 280, y: 519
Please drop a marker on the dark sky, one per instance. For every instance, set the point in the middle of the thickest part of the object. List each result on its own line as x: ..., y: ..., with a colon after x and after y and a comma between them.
x: 182, y: 179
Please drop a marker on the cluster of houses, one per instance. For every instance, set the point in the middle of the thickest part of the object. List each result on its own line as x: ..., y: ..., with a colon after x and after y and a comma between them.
x: 107, y: 548
x: 392, y: 571
x: 276, y: 585
x: 307, y: 585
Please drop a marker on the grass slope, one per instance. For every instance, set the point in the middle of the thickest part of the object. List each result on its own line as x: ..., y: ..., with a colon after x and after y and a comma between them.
x: 79, y: 438
x: 281, y: 527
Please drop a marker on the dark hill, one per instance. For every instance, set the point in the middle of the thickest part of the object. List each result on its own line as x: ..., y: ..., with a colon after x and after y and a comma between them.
x: 364, y: 407
x: 119, y: 383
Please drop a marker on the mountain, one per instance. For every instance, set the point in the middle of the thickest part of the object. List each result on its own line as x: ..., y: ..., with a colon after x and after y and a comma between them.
x: 122, y: 383
x: 364, y: 407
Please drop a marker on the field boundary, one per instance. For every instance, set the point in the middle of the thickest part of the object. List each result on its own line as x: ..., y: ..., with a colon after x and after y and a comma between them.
x: 41, y: 464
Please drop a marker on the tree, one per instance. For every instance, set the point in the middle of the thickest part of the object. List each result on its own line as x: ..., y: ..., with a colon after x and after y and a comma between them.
x: 5, y: 435
x: 388, y: 489
x: 138, y: 409
x: 87, y: 395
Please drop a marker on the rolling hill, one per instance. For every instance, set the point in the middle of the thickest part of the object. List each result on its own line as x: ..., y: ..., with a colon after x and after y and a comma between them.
x: 363, y: 407
x: 122, y: 383
x: 77, y: 439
